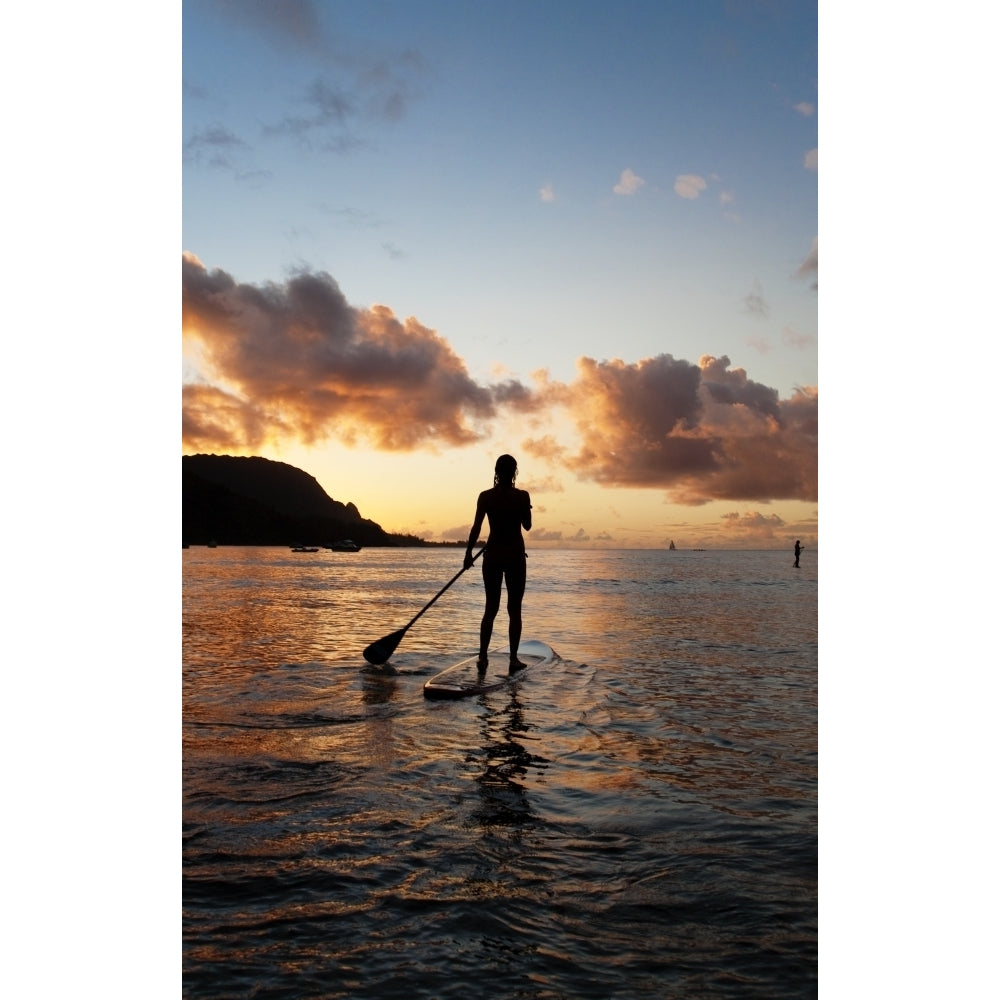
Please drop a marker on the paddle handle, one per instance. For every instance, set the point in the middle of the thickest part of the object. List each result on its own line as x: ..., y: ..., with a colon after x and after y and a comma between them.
x: 441, y: 591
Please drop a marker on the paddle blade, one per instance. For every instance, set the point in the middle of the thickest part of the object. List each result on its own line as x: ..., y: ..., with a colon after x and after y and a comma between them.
x: 380, y: 650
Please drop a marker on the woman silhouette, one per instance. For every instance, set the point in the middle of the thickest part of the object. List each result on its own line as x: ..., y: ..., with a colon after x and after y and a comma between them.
x: 508, y: 510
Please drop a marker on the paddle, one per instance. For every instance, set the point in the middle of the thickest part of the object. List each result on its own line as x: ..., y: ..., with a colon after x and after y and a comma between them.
x: 380, y: 650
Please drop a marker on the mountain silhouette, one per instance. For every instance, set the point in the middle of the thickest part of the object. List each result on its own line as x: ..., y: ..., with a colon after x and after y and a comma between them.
x: 231, y: 500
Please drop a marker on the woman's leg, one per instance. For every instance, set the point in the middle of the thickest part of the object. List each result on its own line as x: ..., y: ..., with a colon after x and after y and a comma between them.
x: 516, y: 581
x: 492, y: 580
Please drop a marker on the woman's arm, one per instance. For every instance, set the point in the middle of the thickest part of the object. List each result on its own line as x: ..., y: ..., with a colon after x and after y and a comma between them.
x: 477, y: 524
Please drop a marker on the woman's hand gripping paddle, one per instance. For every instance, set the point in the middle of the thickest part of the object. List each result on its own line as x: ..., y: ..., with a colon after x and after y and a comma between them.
x: 380, y: 650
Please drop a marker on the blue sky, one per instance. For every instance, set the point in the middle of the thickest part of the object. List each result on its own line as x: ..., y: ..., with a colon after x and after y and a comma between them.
x: 534, y: 184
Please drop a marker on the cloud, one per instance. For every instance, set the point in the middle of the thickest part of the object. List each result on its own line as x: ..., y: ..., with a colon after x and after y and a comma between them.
x: 805, y: 109
x: 334, y: 107
x: 295, y: 360
x: 629, y: 183
x: 216, y: 144
x: 352, y: 218
x: 219, y: 148
x: 543, y: 535
x: 546, y: 448
x: 689, y: 185
x: 701, y: 433
x: 547, y: 194
x: 811, y: 160
x: 213, y: 419
x: 752, y: 525
x: 294, y: 23
x: 328, y: 119
x: 795, y: 339
x: 547, y: 485
x: 753, y: 302
x: 355, y: 81
x: 809, y: 268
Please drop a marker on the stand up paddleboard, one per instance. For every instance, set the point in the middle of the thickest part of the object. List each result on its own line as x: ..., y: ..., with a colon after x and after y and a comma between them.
x: 465, y: 678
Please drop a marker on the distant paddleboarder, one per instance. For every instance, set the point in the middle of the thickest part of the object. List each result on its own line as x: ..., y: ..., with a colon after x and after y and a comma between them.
x: 798, y: 549
x: 508, y: 510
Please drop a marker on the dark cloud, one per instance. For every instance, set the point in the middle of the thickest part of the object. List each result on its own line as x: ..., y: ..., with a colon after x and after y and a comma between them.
x: 289, y: 23
x: 334, y: 106
x: 701, y: 433
x: 517, y: 396
x: 215, y: 144
x: 355, y: 80
x: 328, y: 113
x: 754, y: 303
x: 733, y: 387
x: 296, y: 360
x: 217, y: 147
x: 636, y: 421
x: 809, y: 268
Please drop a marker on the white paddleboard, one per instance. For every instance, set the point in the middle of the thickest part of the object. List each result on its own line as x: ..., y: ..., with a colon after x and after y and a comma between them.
x: 465, y: 678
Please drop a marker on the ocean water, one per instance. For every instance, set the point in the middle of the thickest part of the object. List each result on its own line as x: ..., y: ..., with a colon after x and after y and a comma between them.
x: 638, y: 820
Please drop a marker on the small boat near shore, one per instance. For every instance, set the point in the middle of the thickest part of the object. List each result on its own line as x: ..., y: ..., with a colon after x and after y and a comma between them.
x: 305, y: 548
x: 345, y: 545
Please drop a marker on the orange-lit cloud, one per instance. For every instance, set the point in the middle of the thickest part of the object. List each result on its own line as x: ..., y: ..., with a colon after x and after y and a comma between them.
x: 296, y: 360
x: 214, y: 420
x: 700, y: 432
x: 546, y: 448
x: 753, y: 525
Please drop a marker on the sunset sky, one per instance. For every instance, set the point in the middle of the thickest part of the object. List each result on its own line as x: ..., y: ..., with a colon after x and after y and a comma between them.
x: 419, y: 235
x: 605, y: 194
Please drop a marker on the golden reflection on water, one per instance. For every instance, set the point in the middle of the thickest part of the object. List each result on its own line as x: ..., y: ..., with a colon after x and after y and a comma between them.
x: 337, y: 824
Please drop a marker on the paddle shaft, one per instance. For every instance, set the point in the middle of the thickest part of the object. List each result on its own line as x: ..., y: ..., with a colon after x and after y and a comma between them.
x: 440, y: 592
x: 380, y: 651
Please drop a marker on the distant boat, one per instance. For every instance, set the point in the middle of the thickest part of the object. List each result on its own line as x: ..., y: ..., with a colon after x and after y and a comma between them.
x: 304, y: 548
x: 345, y: 545
x: 673, y: 547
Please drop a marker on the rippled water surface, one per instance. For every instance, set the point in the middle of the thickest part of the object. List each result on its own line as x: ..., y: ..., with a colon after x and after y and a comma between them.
x: 638, y: 820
